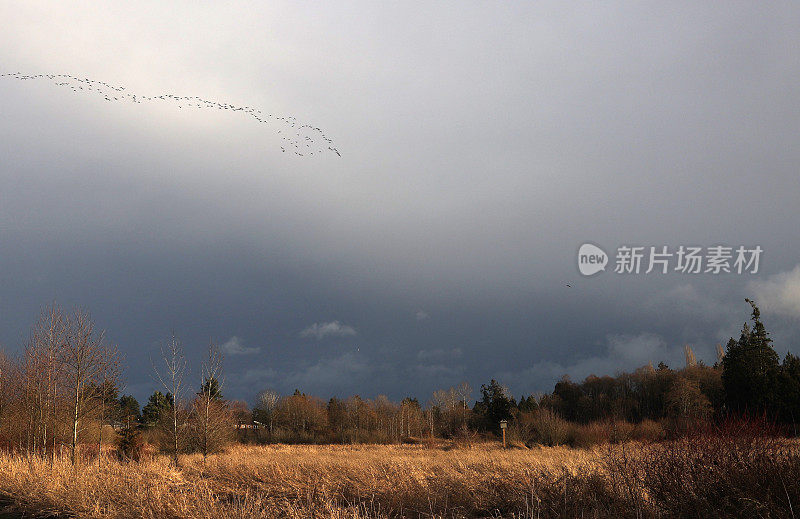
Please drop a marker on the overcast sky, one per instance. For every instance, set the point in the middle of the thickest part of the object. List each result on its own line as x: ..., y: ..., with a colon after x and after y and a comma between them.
x: 481, y: 144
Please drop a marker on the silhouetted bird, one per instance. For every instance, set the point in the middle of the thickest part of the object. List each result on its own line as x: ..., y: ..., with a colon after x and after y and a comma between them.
x: 103, y: 89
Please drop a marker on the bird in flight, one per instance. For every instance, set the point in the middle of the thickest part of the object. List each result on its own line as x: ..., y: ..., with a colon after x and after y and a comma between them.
x: 302, y: 139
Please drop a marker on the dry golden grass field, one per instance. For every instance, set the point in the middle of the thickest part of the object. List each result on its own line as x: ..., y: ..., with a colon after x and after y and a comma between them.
x: 305, y: 481
x: 678, y: 479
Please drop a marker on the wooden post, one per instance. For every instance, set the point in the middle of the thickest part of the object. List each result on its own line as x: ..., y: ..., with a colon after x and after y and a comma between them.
x: 503, y: 425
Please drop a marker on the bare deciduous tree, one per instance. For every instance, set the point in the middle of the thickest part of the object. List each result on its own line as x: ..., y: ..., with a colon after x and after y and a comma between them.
x: 43, y: 363
x: 448, y: 409
x: 213, y: 417
x: 266, y: 404
x: 688, y: 354
x: 171, y: 377
x: 464, y: 392
x: 107, y: 396
x: 87, y: 363
x: 411, y: 417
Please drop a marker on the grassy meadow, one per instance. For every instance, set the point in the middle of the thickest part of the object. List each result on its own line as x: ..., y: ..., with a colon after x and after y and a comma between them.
x: 305, y: 481
x: 332, y: 481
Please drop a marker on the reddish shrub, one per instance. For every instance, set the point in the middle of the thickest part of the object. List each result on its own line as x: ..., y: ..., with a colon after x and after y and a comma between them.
x: 736, y: 468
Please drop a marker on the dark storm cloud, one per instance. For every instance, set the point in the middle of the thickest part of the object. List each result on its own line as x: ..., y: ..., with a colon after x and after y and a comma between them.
x: 481, y: 144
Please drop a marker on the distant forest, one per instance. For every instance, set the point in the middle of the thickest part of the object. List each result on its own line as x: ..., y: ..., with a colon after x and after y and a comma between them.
x: 62, y: 392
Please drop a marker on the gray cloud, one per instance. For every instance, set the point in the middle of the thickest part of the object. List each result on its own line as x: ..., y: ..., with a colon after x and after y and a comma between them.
x: 332, y: 372
x: 442, y: 375
x: 481, y: 145
x: 780, y: 293
x: 234, y: 346
x: 257, y: 379
x: 330, y: 329
x: 329, y: 375
x: 439, y: 354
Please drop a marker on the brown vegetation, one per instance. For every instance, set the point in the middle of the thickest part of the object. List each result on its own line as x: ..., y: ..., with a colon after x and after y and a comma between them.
x: 712, y: 474
x: 735, y: 469
x: 324, y: 481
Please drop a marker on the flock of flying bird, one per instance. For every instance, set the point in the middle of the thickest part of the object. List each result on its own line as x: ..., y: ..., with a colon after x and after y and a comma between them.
x: 302, y: 139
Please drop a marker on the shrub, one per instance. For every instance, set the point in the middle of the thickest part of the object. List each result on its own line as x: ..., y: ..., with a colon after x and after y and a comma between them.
x: 648, y: 431
x: 601, y: 432
x: 130, y: 446
x: 522, y: 429
x: 591, y: 434
x: 546, y: 427
x: 465, y: 437
x: 734, y: 469
x: 621, y: 431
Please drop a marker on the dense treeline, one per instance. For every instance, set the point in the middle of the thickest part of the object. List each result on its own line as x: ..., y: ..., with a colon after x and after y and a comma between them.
x: 62, y: 392
x: 747, y: 379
